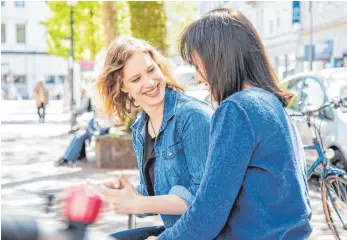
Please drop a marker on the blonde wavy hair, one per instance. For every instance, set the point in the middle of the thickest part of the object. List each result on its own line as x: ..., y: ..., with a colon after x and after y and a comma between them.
x: 115, y: 102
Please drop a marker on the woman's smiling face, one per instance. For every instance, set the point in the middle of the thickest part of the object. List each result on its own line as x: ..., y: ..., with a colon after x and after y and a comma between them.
x: 143, y: 80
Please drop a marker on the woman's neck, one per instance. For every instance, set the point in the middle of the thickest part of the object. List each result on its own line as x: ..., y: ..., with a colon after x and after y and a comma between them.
x: 155, y: 114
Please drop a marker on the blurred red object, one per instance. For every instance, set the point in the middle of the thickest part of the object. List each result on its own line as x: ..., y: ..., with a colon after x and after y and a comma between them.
x: 82, y: 204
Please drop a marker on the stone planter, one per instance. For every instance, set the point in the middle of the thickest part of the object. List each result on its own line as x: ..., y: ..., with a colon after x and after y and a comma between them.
x: 115, y: 152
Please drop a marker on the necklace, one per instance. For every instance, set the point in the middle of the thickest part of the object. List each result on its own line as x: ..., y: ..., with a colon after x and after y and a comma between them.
x: 155, y: 134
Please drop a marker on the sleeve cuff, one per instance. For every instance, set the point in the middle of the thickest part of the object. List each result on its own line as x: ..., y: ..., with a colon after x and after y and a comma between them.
x: 141, y: 189
x: 183, y: 193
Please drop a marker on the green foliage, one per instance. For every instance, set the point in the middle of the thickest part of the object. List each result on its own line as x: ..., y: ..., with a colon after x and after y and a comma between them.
x: 123, y: 19
x: 88, y: 33
x: 180, y: 15
x: 148, y: 21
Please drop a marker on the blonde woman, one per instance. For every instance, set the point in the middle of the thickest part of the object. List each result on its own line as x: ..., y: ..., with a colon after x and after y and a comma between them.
x: 170, y: 138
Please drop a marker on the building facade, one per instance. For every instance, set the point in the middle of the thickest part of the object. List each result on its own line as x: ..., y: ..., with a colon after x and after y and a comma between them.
x: 24, y: 57
x: 285, y: 30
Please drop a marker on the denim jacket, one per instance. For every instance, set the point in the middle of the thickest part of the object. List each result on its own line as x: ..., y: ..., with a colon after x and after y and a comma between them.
x: 181, y: 148
x: 254, y: 186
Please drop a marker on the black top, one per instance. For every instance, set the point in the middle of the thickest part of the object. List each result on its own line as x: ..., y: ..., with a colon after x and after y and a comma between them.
x: 149, y: 163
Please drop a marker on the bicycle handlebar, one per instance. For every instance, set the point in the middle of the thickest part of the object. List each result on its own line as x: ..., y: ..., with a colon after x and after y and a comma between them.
x: 311, y: 112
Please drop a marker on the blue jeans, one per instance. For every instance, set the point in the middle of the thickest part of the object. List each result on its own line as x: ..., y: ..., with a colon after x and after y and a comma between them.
x: 73, y: 151
x: 138, y: 233
x: 76, y: 145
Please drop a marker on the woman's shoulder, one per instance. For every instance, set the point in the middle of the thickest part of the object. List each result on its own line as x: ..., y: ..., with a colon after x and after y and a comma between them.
x: 189, y: 105
x: 256, y: 103
x: 253, y: 97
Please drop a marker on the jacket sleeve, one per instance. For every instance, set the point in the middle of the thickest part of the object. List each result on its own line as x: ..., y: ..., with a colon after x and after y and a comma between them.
x: 229, y: 155
x: 194, y: 126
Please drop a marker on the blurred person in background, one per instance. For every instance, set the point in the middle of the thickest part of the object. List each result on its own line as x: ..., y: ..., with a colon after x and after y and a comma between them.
x: 41, y: 97
x: 85, y: 104
x: 77, y: 148
x: 88, y: 125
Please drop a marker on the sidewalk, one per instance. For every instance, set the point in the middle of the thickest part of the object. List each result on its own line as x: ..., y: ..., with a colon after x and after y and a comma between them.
x: 29, y: 150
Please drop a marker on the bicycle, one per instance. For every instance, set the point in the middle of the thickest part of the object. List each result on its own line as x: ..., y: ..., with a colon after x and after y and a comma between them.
x: 333, y: 180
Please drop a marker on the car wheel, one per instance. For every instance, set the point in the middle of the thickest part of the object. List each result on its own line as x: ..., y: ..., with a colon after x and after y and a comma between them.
x: 338, y: 160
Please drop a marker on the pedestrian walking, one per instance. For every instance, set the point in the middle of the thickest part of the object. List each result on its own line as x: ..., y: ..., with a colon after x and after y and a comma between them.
x: 41, y: 97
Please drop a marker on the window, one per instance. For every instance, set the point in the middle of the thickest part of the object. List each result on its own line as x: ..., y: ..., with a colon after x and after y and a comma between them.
x: 19, y: 3
x: 3, y: 33
x: 61, y: 79
x: 19, y: 79
x: 2, y: 3
x: 20, y: 33
x: 50, y: 79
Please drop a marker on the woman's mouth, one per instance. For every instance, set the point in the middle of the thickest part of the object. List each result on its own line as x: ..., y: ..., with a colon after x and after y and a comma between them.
x: 153, y: 92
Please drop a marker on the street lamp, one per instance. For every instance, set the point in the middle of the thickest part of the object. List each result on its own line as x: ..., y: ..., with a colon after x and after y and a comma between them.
x: 70, y: 64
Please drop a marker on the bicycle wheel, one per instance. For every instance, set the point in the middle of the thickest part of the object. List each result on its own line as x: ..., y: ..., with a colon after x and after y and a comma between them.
x: 334, y: 199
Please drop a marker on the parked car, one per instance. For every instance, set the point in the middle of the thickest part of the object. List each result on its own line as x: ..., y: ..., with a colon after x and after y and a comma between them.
x: 312, y: 90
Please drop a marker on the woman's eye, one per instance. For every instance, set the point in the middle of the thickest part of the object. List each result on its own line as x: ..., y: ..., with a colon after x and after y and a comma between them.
x: 136, y: 79
x: 151, y: 70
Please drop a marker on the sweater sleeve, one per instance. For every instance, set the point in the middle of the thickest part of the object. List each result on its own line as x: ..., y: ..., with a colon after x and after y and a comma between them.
x: 232, y: 142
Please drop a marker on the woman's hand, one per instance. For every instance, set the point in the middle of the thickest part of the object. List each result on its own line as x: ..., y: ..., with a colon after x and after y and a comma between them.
x: 114, y: 185
x: 123, y: 197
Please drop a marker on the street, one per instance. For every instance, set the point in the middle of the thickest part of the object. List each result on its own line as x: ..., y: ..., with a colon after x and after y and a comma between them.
x: 29, y: 149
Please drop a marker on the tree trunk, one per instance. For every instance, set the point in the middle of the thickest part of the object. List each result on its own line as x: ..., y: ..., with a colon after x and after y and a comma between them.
x: 109, y: 15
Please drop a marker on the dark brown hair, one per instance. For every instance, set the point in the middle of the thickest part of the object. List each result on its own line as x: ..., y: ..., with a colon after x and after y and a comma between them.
x: 232, y: 54
x: 109, y: 84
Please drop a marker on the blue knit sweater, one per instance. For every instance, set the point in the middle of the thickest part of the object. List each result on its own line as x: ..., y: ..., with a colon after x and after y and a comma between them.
x: 254, y: 185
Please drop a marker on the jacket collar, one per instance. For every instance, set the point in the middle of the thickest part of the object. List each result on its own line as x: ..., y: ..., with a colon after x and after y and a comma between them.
x: 170, y: 104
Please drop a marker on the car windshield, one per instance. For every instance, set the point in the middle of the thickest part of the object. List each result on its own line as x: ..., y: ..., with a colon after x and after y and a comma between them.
x: 336, y: 84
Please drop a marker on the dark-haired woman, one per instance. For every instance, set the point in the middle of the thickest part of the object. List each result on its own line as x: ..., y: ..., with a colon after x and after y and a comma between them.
x: 254, y: 185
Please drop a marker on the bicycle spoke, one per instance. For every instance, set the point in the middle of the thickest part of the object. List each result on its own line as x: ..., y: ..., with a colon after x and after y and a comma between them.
x: 334, y: 189
x: 344, y: 192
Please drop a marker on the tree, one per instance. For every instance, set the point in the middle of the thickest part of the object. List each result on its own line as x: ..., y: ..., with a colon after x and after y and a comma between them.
x: 88, y: 36
x: 148, y: 21
x: 116, y: 20
x: 109, y: 13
